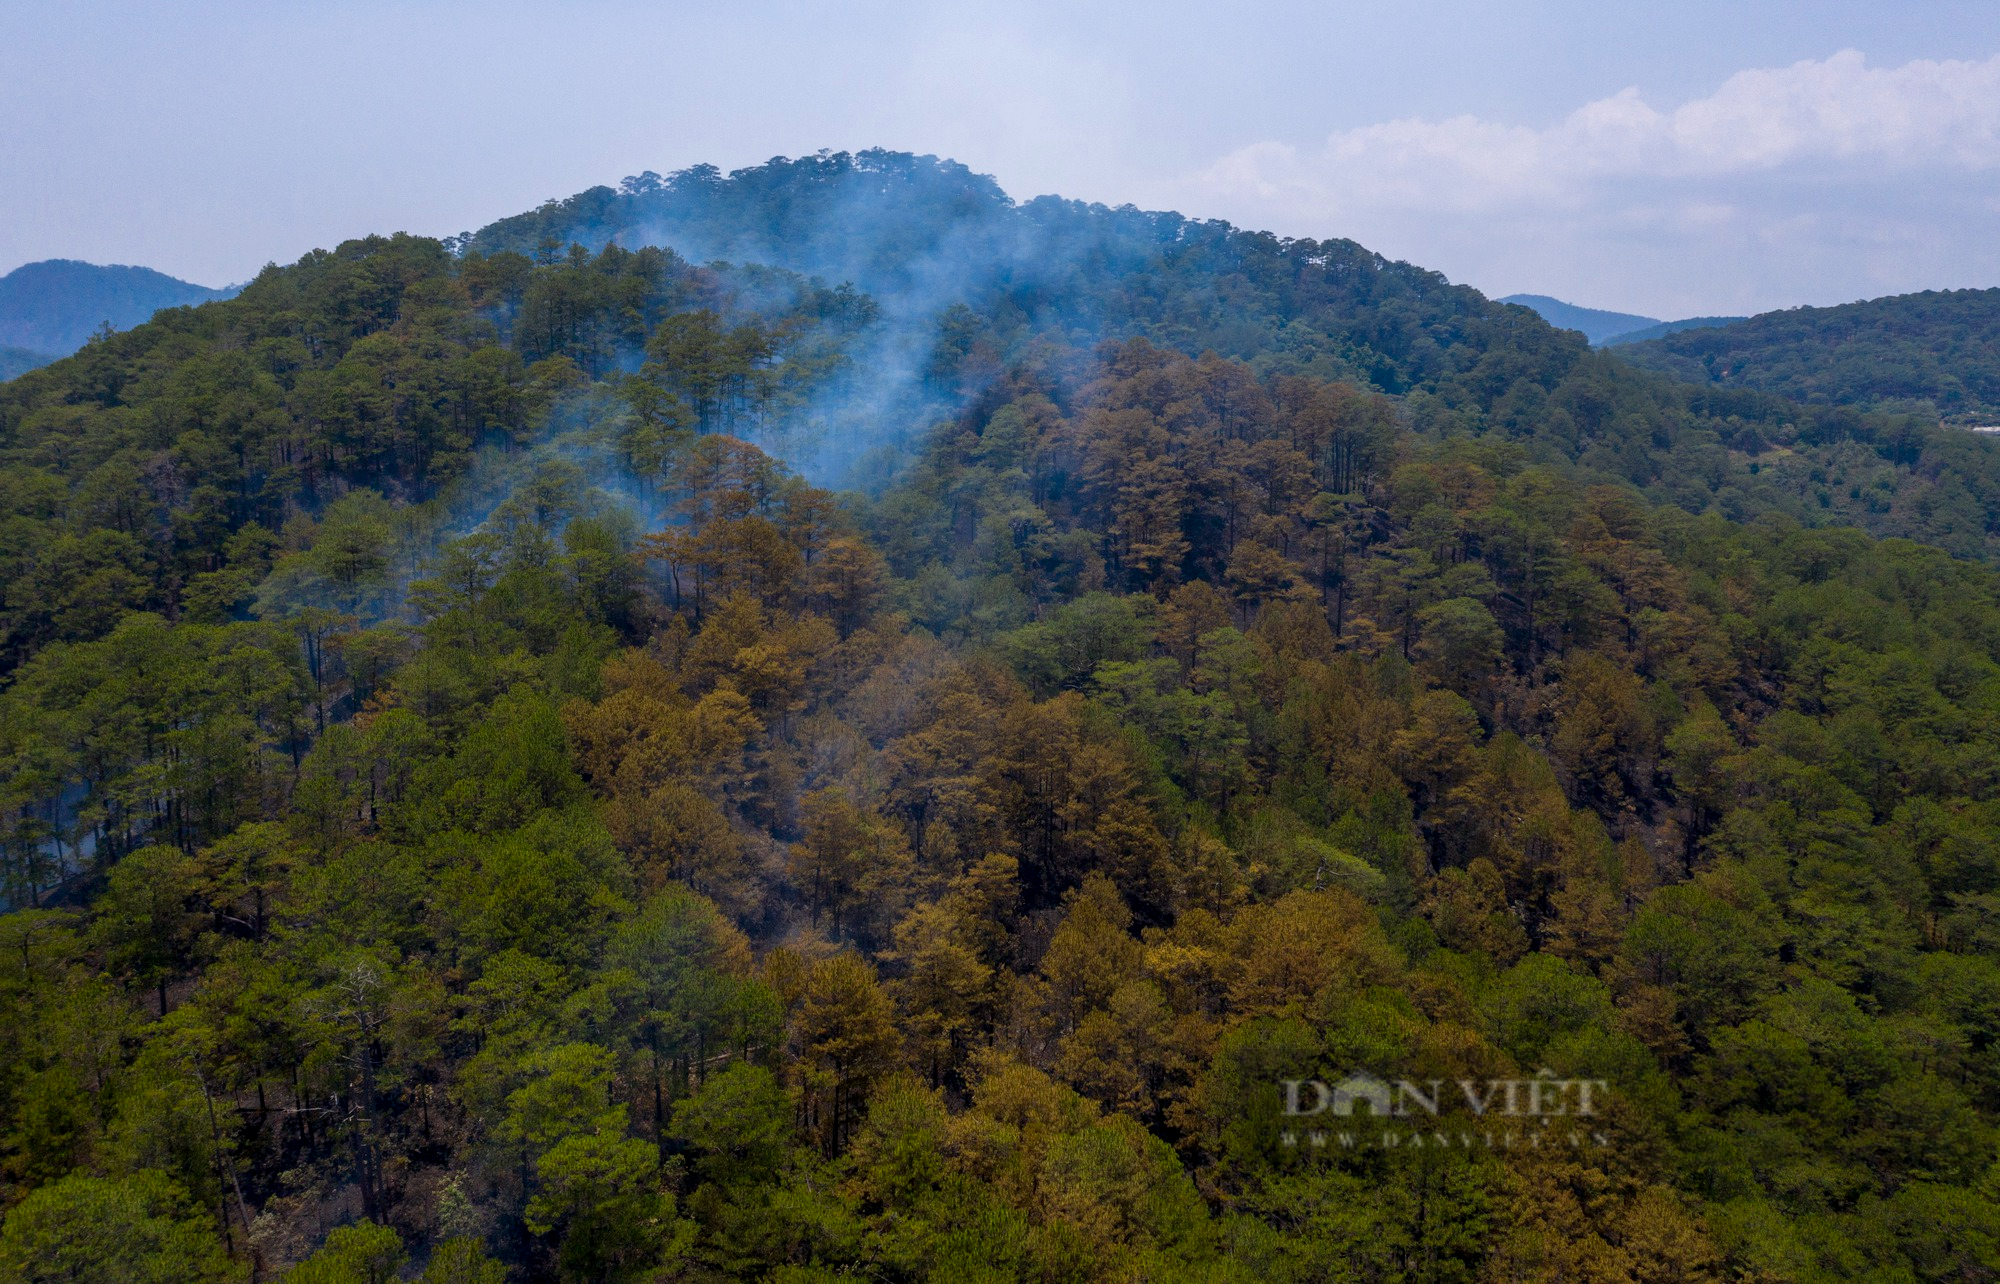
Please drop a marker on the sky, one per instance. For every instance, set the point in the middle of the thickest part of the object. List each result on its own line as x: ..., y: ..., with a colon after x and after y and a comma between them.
x: 1692, y: 158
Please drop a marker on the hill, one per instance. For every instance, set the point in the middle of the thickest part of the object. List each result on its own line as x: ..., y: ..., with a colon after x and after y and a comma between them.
x: 472, y: 809
x: 967, y: 277
x: 1665, y: 328
x: 1596, y: 325
x: 15, y: 361
x: 1935, y: 353
x: 922, y: 236
x: 56, y: 305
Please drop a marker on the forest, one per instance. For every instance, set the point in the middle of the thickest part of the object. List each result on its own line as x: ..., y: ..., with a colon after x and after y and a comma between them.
x: 1935, y: 353
x: 473, y: 811
x: 1824, y: 445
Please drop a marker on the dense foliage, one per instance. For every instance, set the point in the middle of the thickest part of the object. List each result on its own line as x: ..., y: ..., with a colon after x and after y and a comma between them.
x: 921, y: 235
x: 1935, y: 353
x: 472, y: 814
x: 164, y: 469
x: 1666, y: 328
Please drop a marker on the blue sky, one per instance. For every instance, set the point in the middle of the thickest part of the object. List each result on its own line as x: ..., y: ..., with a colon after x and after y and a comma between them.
x: 1670, y: 159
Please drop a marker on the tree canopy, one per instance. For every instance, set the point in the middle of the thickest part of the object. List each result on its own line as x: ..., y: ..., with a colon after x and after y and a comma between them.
x: 1936, y: 352
x: 474, y: 812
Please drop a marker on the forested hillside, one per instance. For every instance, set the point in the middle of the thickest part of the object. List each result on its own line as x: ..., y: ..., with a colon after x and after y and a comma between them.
x: 1666, y: 328
x: 919, y: 235
x: 1937, y: 353
x: 473, y: 812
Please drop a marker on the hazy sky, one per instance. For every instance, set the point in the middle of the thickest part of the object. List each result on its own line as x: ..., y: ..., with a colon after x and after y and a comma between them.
x: 1671, y: 159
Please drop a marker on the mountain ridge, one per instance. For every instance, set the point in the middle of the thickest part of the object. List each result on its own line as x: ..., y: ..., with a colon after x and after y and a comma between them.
x: 1048, y: 269
x: 1932, y: 351
x: 53, y: 306
x: 18, y: 361
x: 1665, y: 328
x: 1595, y: 324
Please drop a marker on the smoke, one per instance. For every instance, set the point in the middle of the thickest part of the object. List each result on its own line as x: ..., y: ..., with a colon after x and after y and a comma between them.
x: 960, y: 276
x: 945, y: 254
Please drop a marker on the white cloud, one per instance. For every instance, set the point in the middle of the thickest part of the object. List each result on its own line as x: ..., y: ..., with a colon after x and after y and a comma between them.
x: 1840, y: 110
x: 1697, y: 205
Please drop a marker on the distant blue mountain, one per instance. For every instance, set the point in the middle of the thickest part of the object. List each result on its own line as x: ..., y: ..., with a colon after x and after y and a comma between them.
x: 53, y: 307
x: 18, y: 361
x: 1597, y: 325
x: 1666, y: 328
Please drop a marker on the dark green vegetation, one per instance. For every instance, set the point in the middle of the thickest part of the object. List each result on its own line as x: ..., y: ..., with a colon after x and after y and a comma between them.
x: 920, y: 235
x: 473, y: 813
x: 1665, y: 328
x: 55, y: 306
x: 1935, y: 353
